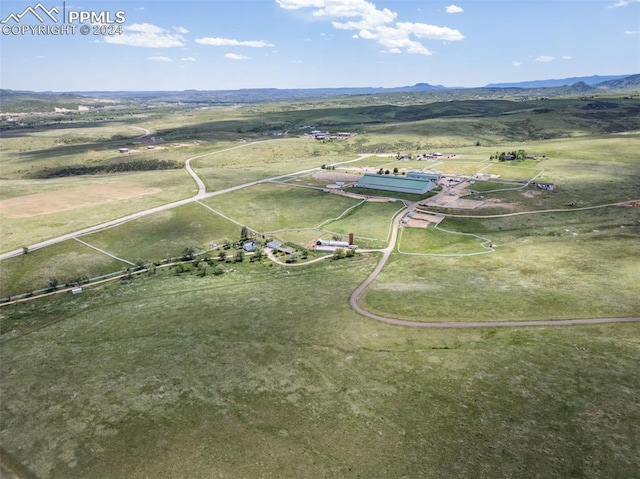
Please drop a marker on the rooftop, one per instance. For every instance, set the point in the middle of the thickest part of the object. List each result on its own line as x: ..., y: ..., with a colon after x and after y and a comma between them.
x: 399, y: 184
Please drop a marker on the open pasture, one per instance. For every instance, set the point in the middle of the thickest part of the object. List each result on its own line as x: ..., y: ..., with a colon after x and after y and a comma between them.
x: 439, y: 241
x: 267, y: 371
x: 526, y: 278
x: 179, y: 375
x: 78, y: 207
x: 370, y: 221
x: 166, y: 234
x: 270, y: 208
x: 66, y: 262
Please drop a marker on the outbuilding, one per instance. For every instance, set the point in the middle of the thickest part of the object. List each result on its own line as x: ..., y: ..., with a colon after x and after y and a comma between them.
x: 400, y: 184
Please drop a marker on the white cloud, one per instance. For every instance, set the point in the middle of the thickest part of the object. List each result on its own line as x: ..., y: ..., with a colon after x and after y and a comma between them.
x: 422, y: 30
x: 181, y: 30
x: 228, y: 42
x: 372, y: 23
x: 630, y: 32
x: 146, y: 35
x: 160, y: 59
x: 234, y: 56
x: 188, y: 59
x: 623, y: 3
x: 454, y: 9
x: 566, y: 57
x: 544, y: 59
x: 516, y: 64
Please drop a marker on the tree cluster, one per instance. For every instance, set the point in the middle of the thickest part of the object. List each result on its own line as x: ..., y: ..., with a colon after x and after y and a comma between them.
x: 80, y: 170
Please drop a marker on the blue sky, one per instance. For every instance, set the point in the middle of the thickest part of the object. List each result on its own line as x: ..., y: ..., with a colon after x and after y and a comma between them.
x: 229, y: 44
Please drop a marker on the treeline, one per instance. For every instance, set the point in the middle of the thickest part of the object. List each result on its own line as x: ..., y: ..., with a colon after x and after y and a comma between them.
x: 80, y: 170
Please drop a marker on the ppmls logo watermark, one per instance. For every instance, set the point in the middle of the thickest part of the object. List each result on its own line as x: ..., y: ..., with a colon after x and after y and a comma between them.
x: 40, y: 20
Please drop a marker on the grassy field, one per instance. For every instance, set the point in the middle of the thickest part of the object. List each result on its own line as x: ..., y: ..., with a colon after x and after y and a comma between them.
x: 568, y: 276
x: 438, y: 241
x: 66, y: 262
x: 73, y: 213
x: 270, y: 208
x: 265, y: 371
x: 371, y: 221
x: 166, y: 234
x: 184, y: 376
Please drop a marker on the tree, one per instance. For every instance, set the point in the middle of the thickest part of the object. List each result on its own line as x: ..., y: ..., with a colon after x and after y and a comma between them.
x: 478, y: 143
x: 380, y: 171
x: 239, y: 256
x: 244, y: 233
x: 188, y: 253
x: 218, y: 270
x: 222, y: 255
x: 386, y: 172
x: 395, y: 171
x: 25, y: 249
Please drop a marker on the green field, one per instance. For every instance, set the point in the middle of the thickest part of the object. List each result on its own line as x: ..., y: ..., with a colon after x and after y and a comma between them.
x: 270, y: 208
x: 166, y: 234
x: 184, y: 376
x: 252, y: 369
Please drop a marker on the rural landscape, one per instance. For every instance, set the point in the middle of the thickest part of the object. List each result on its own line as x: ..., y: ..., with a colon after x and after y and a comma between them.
x: 199, y: 284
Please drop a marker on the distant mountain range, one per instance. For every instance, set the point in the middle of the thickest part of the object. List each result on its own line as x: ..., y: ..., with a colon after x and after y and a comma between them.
x: 15, y: 100
x: 590, y: 80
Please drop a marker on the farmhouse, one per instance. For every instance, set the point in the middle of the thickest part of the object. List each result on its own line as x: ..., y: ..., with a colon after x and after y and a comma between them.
x: 276, y: 245
x: 249, y: 246
x: 399, y: 184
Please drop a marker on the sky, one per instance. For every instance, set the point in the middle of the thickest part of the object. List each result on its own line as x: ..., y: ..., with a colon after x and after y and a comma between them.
x: 234, y: 44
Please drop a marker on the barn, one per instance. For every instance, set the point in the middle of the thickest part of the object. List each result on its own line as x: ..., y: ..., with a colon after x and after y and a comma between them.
x: 399, y: 184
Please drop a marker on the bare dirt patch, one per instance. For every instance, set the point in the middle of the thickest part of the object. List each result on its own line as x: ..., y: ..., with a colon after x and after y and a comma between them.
x: 336, y: 176
x: 531, y: 194
x: 434, y: 219
x: 70, y: 199
x: 414, y: 223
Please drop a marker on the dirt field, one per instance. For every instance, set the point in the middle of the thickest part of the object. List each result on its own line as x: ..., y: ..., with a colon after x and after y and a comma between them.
x: 69, y: 199
x: 336, y: 176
